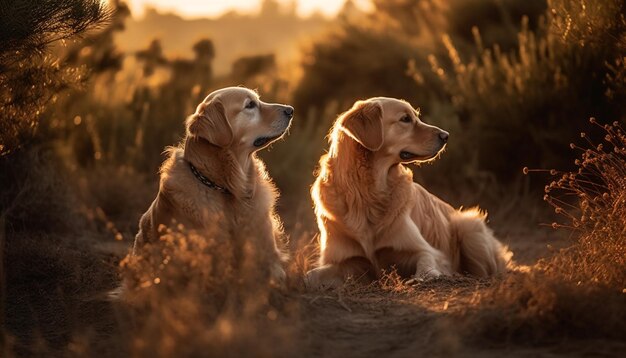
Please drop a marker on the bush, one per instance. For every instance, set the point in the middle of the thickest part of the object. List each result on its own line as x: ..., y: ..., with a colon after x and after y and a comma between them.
x: 592, y: 200
x: 29, y: 78
x: 187, y: 295
x: 532, y: 99
x: 577, y: 293
x: 357, y: 62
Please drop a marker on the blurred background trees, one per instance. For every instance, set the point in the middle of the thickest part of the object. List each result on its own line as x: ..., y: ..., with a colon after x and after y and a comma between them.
x: 513, y: 81
x: 525, y: 105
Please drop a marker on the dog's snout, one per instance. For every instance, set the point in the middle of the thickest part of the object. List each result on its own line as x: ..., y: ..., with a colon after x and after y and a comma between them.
x: 288, y: 111
x: 443, y: 135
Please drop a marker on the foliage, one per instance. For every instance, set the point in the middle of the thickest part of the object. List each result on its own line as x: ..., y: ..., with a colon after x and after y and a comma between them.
x: 356, y: 62
x: 598, y: 213
x: 534, y: 99
x: 186, y: 294
x: 498, y: 21
x: 29, y: 79
x: 250, y: 66
x: 29, y: 26
x: 25, y: 90
x: 579, y: 291
x: 379, y: 53
x: 98, y: 52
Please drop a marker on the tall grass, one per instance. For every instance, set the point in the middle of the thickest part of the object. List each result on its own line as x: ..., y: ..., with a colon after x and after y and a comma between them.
x: 531, y: 98
x: 592, y: 199
x: 187, y: 295
x: 578, y: 292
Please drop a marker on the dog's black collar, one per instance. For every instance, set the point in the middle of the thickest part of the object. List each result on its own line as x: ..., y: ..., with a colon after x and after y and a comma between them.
x: 204, y: 180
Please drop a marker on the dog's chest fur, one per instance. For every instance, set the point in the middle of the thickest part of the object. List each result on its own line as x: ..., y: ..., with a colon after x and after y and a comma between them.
x: 212, y: 210
x: 367, y: 216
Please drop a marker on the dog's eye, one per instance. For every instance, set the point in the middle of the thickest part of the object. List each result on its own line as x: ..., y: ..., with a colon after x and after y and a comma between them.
x: 251, y: 104
x: 406, y: 119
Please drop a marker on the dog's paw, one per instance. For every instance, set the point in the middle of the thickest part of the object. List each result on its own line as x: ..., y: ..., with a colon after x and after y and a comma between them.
x: 433, y: 265
x: 443, y: 265
x: 427, y: 273
x: 321, y: 278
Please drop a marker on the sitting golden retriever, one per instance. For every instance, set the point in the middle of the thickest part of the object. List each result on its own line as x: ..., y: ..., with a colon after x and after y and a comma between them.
x: 371, y: 214
x: 215, y: 182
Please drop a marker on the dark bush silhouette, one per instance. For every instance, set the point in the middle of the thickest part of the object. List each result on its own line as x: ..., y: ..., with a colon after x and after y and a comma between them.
x: 28, y: 78
x: 526, y: 105
x: 357, y: 62
x: 151, y: 57
x: 250, y: 66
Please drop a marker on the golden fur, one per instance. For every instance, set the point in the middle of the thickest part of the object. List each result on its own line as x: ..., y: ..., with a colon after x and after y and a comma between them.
x: 221, y: 141
x: 371, y: 214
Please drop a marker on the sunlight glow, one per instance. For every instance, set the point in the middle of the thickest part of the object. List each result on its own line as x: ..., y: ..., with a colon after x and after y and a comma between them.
x: 213, y: 8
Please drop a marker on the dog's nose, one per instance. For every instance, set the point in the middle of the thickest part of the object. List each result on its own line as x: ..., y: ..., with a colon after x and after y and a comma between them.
x: 288, y: 111
x: 443, y: 135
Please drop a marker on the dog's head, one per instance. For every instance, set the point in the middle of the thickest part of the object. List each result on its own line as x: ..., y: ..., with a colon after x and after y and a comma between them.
x: 235, y: 118
x: 392, y: 128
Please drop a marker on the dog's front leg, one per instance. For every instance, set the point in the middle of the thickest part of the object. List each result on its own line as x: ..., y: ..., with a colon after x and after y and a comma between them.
x: 277, y: 257
x: 431, y: 264
x: 416, y: 251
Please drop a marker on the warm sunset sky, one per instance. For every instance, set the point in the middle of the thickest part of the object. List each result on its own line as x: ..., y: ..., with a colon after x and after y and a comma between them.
x: 210, y: 8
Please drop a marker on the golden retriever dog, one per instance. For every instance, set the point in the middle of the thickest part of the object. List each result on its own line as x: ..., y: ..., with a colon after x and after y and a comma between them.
x: 215, y: 181
x: 373, y: 217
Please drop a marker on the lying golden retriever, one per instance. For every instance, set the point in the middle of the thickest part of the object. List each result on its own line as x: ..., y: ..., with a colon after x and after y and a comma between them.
x: 214, y: 181
x: 371, y: 214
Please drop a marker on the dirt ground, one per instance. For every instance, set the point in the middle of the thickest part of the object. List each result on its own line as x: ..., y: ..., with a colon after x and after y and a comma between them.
x: 422, y: 320
x: 414, y: 319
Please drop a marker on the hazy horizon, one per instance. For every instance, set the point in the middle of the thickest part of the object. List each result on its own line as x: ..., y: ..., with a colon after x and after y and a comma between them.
x: 233, y: 37
x: 199, y: 9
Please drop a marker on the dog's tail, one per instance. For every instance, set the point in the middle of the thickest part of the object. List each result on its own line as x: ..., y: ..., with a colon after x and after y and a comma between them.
x: 481, y: 254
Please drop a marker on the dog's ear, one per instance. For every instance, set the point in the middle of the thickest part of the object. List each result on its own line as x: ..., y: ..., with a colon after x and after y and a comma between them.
x: 364, y: 123
x: 210, y: 123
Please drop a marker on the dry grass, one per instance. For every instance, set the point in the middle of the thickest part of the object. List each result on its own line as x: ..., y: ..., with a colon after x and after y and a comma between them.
x: 579, y: 292
x: 592, y: 200
x: 536, y: 98
x: 187, y: 295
